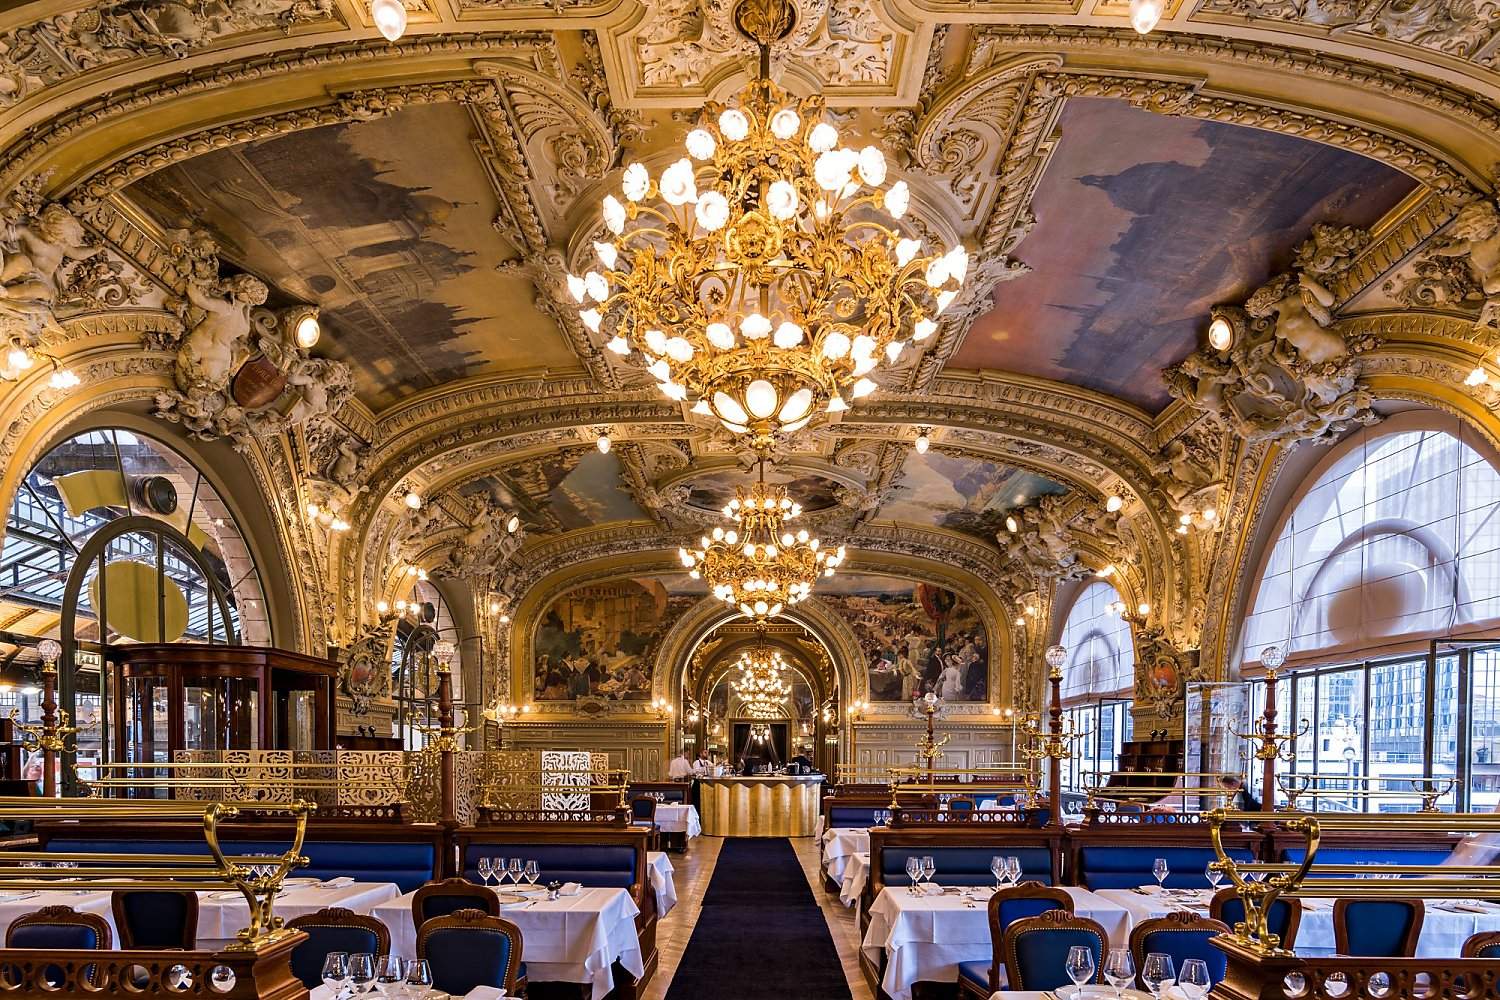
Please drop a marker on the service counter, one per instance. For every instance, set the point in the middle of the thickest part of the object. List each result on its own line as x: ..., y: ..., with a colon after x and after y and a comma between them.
x: 769, y: 806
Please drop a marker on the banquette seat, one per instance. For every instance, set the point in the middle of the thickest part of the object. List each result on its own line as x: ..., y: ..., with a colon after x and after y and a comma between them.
x: 1126, y: 866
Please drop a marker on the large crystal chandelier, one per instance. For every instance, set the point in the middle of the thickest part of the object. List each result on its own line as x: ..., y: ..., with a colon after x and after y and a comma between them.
x: 765, y: 275
x: 759, y: 566
x: 761, y: 686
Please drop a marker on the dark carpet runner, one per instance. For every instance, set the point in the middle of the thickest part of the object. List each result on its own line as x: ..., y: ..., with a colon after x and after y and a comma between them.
x: 760, y: 935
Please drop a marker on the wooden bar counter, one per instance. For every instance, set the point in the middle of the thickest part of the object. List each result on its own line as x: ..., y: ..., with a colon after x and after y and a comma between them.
x: 763, y: 806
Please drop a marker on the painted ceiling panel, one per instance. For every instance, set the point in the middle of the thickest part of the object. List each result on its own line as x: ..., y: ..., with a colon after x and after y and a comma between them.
x: 964, y: 494
x: 563, y: 491
x: 387, y: 225
x: 1144, y: 222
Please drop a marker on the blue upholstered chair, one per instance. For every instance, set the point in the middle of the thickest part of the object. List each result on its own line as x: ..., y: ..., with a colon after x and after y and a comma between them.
x: 1183, y: 936
x: 439, y: 899
x: 1485, y: 944
x: 982, y: 978
x: 1283, y: 920
x: 643, y: 814
x: 331, y: 929
x: 468, y: 949
x: 156, y: 919
x: 1377, y: 928
x: 1036, y: 948
x: 60, y: 928
x: 961, y: 804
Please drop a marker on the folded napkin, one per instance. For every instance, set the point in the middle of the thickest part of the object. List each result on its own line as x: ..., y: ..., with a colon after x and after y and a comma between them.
x: 1466, y: 907
x: 569, y: 889
x: 339, y: 883
x: 1148, y: 890
x: 1176, y: 993
x: 485, y: 993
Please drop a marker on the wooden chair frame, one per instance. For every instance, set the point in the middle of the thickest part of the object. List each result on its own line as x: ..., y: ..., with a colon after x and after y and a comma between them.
x: 1051, y: 920
x: 481, y: 920
x: 1025, y: 890
x: 1172, y: 922
x: 64, y: 915
x: 1479, y: 942
x: 1224, y: 895
x: 1408, y: 945
x: 485, y: 900
x: 338, y: 916
x: 189, y: 939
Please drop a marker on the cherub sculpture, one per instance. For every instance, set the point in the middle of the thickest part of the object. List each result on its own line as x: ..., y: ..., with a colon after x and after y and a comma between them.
x: 207, y: 356
x: 1303, y: 310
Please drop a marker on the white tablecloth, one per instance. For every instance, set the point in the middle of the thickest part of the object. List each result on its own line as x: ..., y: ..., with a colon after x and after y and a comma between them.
x: 926, y: 937
x: 18, y: 904
x: 675, y: 817
x: 572, y: 939
x: 659, y: 871
x: 1444, y: 930
x: 856, y: 874
x: 223, y: 914
x: 838, y: 844
x: 477, y: 993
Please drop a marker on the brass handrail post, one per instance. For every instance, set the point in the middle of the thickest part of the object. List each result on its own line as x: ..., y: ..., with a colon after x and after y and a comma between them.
x: 52, y: 734
x: 1054, y: 758
x: 447, y: 745
x: 1268, y: 763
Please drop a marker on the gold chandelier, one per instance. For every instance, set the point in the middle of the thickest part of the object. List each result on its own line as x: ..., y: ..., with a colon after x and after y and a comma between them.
x: 761, y: 686
x: 759, y: 566
x: 765, y: 275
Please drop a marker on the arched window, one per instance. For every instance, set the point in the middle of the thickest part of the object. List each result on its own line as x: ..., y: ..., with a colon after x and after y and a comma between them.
x: 95, y: 478
x: 1101, y: 655
x: 1397, y: 540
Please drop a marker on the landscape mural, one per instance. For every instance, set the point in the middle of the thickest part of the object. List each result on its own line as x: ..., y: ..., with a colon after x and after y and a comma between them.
x: 963, y: 494
x: 598, y: 642
x: 914, y: 637
x: 563, y: 490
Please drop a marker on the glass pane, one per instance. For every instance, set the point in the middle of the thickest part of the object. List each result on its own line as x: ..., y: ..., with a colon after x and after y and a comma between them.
x: 1340, y: 737
x: 1445, y: 728
x: 1484, y: 730
x: 222, y: 715
x: 1398, y: 725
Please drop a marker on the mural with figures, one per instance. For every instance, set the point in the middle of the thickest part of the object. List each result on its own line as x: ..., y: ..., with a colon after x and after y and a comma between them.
x: 596, y: 643
x: 915, y: 637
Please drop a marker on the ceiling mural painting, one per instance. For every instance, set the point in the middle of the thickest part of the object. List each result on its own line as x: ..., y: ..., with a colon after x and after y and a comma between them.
x: 387, y: 225
x: 562, y: 490
x: 1144, y: 223
x: 711, y: 491
x: 960, y: 493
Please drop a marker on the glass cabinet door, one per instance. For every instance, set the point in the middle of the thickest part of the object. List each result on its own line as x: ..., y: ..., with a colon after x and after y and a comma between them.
x: 146, y: 720
x: 221, y: 713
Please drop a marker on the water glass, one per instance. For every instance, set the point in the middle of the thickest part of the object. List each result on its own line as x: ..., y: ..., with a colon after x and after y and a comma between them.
x: 361, y: 972
x: 1213, y: 875
x: 997, y: 869
x: 1080, y: 964
x: 1013, y: 869
x: 531, y: 873
x: 336, y: 971
x: 1119, y: 969
x: 1158, y: 973
x: 418, y: 977
x: 390, y: 975
x: 929, y: 868
x: 913, y: 872
x: 1194, y: 981
x: 1160, y: 870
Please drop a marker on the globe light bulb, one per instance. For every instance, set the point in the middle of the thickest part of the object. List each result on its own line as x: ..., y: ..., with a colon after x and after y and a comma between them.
x: 922, y: 443
x: 1144, y: 14
x: 1477, y: 377
x: 389, y: 17
x: 308, y: 331
x: 1114, y: 503
x: 413, y: 500
x: 1220, y: 334
x: 603, y: 444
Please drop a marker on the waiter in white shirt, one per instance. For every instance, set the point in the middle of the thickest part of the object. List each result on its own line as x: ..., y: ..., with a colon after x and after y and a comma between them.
x: 679, y: 769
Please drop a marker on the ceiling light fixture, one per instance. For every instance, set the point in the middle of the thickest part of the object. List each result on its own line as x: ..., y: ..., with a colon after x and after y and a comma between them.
x: 1144, y: 14
x: 761, y: 686
x: 1220, y: 334
x: 759, y: 566
x: 603, y: 443
x: 413, y: 500
x: 20, y: 359
x: 1114, y: 503
x: 390, y: 17
x: 924, y: 440
x: 765, y: 275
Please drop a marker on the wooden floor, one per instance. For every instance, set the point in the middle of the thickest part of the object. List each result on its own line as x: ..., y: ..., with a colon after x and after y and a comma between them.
x: 692, y: 872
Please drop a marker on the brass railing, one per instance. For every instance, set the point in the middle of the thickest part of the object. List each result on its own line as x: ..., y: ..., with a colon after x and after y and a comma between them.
x: 1426, y: 789
x: 1164, y: 785
x: 257, y: 878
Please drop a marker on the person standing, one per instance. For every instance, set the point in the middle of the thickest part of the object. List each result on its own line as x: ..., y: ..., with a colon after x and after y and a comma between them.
x: 679, y: 769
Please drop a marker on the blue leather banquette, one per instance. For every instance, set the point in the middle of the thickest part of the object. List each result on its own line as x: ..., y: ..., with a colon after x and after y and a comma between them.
x: 852, y: 816
x: 606, y: 866
x: 1117, y: 866
x: 1363, y: 856
x: 962, y: 865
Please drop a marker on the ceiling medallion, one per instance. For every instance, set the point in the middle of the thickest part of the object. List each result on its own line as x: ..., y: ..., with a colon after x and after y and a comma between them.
x: 759, y: 566
x: 765, y: 276
x: 762, y: 686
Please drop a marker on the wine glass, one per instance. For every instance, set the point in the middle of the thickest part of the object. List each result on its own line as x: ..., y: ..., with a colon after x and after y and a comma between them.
x: 1194, y: 979
x: 390, y: 974
x: 1080, y: 964
x: 913, y: 872
x: 418, y: 977
x: 1013, y: 869
x: 517, y: 867
x: 1160, y: 870
x: 1213, y: 875
x: 486, y: 870
x: 531, y: 872
x: 929, y: 868
x: 1119, y: 969
x: 1158, y: 973
x: 361, y: 971
x: 997, y: 869
x: 336, y: 972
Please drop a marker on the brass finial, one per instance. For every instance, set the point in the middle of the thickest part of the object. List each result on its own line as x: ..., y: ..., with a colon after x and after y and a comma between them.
x: 765, y: 21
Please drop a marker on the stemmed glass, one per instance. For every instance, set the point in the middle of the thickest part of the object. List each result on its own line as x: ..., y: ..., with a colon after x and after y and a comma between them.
x: 336, y: 972
x: 486, y: 870
x: 1160, y: 870
x: 531, y: 872
x: 517, y: 866
x: 1158, y: 973
x: 1119, y: 969
x: 913, y: 872
x: 418, y: 977
x: 929, y: 868
x: 1213, y: 875
x: 997, y: 869
x: 361, y: 972
x: 1013, y: 869
x: 1194, y: 981
x: 390, y: 974
x: 1080, y: 965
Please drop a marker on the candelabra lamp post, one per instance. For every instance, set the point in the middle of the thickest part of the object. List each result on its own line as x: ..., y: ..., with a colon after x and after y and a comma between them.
x: 929, y: 749
x: 1056, y: 744
x: 442, y: 739
x: 1271, y: 746
x: 52, y: 733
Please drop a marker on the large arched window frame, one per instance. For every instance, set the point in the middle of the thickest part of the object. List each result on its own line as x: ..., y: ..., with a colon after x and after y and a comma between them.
x: 1381, y: 586
x: 1098, y: 679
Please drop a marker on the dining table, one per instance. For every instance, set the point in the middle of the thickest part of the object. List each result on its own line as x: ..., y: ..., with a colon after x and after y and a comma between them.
x: 856, y: 874
x: 575, y: 938
x: 839, y: 843
x: 679, y: 817
x: 923, y: 937
x: 659, y: 872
